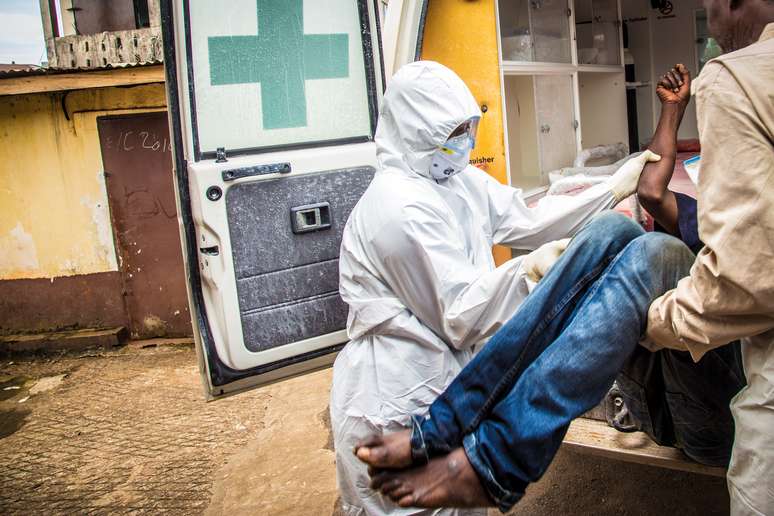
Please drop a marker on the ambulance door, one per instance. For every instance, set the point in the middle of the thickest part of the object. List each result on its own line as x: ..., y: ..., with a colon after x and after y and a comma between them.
x: 273, y: 108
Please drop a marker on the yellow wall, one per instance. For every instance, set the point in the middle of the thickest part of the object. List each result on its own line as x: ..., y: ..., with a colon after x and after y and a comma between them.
x: 54, y: 215
x: 463, y: 36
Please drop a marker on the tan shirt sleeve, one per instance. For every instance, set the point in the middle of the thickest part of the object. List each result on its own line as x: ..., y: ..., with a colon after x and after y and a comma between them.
x: 730, y: 291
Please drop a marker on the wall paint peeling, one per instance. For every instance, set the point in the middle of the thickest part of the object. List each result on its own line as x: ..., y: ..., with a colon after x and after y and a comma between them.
x: 100, y: 216
x: 17, y: 251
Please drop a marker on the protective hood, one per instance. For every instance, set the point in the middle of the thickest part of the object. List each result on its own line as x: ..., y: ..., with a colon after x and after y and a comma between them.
x: 423, y: 104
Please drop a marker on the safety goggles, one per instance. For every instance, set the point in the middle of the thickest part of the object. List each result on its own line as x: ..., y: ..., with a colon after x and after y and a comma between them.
x: 469, y: 127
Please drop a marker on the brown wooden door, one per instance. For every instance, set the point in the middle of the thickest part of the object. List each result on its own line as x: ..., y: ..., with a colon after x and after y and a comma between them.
x: 137, y: 157
x: 95, y: 16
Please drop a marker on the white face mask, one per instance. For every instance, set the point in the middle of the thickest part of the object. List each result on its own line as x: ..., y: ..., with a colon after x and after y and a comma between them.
x: 452, y: 158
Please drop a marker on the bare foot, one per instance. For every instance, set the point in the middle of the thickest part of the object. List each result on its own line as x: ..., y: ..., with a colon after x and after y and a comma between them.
x: 392, y: 451
x: 448, y: 481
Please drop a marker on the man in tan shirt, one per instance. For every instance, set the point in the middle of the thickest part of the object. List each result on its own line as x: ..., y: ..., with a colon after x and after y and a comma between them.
x: 730, y: 292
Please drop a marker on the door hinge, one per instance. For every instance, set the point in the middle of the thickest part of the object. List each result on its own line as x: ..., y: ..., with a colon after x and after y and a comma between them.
x: 575, y: 124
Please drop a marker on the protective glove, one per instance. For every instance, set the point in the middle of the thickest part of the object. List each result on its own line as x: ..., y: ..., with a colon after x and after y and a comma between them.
x: 624, y: 182
x: 537, y: 263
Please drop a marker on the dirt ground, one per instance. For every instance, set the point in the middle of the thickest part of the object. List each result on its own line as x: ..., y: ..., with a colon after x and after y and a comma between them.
x: 128, y: 431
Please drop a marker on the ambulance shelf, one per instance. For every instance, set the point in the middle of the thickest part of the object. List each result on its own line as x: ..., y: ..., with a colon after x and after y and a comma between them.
x: 601, y: 68
x: 596, y: 438
x: 637, y: 84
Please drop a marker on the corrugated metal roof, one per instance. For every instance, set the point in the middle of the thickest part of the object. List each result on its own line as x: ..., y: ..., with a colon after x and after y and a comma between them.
x: 6, y: 72
x: 17, y: 67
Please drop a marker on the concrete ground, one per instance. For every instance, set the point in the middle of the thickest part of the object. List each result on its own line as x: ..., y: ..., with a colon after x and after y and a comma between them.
x: 128, y: 431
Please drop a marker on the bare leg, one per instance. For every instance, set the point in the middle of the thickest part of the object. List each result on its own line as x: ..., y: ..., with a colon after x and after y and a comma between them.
x: 448, y: 481
x: 391, y: 451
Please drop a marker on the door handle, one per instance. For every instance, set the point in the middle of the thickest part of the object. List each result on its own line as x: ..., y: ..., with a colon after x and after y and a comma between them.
x: 310, y: 217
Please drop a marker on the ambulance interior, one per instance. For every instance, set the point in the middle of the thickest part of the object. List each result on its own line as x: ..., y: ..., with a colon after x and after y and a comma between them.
x: 583, y: 74
x: 580, y: 75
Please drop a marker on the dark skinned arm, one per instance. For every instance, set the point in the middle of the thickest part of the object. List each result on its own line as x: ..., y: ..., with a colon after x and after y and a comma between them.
x: 674, y: 93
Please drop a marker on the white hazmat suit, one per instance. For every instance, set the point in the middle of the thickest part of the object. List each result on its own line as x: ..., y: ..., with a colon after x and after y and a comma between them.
x: 417, y: 272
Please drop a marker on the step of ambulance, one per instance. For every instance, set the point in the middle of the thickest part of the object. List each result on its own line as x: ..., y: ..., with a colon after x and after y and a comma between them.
x: 597, y: 438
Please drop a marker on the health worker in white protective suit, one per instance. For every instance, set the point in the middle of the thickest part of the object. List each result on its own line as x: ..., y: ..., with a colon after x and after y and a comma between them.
x: 417, y: 270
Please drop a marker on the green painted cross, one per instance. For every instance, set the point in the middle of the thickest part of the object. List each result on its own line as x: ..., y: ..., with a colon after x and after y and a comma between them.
x: 282, y: 58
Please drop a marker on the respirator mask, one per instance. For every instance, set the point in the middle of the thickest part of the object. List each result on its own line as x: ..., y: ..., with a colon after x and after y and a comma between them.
x: 452, y: 157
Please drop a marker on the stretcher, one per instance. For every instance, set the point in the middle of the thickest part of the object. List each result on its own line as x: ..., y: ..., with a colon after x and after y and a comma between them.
x: 596, y: 438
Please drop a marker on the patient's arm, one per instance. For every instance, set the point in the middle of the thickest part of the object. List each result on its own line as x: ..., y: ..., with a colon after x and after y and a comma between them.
x: 674, y: 91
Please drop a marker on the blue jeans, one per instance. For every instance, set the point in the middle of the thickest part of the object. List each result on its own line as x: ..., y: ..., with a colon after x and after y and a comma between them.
x: 510, y: 407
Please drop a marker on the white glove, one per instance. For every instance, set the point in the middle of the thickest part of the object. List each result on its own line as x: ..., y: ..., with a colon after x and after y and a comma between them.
x: 537, y: 263
x: 624, y: 182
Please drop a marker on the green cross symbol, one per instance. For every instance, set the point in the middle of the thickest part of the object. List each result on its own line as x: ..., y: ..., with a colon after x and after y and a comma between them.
x: 282, y: 58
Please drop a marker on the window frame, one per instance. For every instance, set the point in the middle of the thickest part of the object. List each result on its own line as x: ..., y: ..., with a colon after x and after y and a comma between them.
x: 371, y: 85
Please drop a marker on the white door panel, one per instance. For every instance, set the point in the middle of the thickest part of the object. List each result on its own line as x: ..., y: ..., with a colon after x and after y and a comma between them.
x: 217, y: 271
x: 273, y: 105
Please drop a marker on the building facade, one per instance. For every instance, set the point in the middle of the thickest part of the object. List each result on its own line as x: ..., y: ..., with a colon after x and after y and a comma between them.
x: 88, y: 228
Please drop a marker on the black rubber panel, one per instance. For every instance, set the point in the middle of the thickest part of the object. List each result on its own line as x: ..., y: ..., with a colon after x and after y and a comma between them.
x: 288, y: 283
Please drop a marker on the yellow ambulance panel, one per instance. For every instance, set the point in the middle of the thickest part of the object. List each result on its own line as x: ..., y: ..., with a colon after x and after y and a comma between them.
x: 463, y: 36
